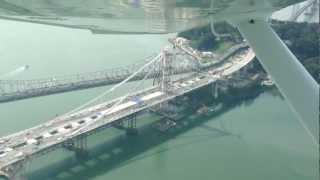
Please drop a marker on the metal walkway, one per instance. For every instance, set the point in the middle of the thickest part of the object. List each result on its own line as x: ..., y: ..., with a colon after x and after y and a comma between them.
x: 20, y: 147
x: 187, y: 61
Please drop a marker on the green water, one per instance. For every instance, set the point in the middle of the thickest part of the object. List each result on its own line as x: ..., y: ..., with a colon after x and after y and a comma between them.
x: 266, y: 141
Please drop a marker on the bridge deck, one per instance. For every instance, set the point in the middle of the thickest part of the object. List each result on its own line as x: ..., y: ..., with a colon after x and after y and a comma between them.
x: 28, y: 143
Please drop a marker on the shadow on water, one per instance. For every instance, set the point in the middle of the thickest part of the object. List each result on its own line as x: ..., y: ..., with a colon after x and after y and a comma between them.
x: 123, y: 149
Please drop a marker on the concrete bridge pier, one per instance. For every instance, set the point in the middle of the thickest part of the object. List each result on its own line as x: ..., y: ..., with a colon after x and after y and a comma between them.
x: 4, y: 175
x: 131, y: 129
x: 14, y: 172
x: 1, y: 89
x: 79, y: 146
x: 120, y: 125
x: 216, y: 90
x: 128, y: 124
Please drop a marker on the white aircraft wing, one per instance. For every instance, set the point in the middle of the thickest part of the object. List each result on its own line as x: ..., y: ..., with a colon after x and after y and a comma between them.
x: 109, y: 16
x: 165, y: 16
x: 293, y: 81
x: 131, y: 16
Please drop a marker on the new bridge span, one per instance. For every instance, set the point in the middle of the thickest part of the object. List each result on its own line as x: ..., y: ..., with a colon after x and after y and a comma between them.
x: 17, y: 148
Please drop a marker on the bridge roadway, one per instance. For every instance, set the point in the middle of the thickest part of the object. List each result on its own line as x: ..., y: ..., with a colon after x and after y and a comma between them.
x: 29, y: 143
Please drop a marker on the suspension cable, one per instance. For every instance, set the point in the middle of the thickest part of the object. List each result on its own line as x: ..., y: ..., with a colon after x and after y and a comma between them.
x: 123, y: 97
x: 112, y: 89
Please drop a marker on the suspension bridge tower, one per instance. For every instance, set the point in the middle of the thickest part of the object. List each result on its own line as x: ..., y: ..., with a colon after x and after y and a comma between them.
x: 163, y: 79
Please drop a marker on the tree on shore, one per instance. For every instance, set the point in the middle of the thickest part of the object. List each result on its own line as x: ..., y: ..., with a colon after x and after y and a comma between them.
x: 301, y: 38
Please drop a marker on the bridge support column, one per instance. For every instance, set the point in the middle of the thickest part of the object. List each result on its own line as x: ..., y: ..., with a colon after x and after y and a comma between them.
x: 216, y: 90
x: 212, y: 89
x: 120, y: 125
x: 4, y: 175
x: 2, y: 91
x: 15, y: 171
x: 79, y: 146
x: 132, y: 125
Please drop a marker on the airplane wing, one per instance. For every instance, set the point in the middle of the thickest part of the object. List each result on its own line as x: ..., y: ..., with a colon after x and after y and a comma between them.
x: 293, y: 81
x: 108, y: 17
x: 165, y: 16
x: 131, y: 16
